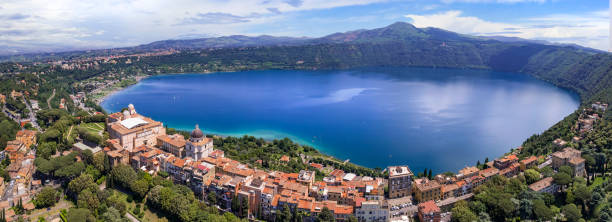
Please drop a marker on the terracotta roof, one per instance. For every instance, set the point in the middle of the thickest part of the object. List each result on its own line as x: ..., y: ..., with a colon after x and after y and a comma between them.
x: 529, y: 160
x: 284, y: 158
x: 343, y: 209
x: 491, y: 171
x: 175, y: 140
x: 429, y: 207
x: 541, y: 184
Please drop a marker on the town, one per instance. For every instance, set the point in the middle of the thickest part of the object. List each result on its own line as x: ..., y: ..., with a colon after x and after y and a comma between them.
x: 143, y: 144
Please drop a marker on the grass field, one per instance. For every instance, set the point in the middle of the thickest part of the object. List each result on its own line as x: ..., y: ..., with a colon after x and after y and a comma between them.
x: 95, y: 128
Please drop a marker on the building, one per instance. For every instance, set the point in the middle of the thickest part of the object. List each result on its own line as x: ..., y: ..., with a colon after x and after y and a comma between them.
x: 27, y: 137
x: 559, y: 143
x: 400, y: 181
x: 426, y: 190
x: 546, y: 185
x: 599, y: 106
x: 174, y: 144
x: 79, y: 146
x: 429, y: 212
x: 372, y: 210
x: 488, y: 173
x: 467, y: 172
x: 198, y: 146
x: 569, y: 157
x: 505, y: 162
x: 132, y: 129
x: 529, y: 162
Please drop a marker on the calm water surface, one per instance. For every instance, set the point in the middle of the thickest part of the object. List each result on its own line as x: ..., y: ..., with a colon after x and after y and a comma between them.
x: 442, y: 119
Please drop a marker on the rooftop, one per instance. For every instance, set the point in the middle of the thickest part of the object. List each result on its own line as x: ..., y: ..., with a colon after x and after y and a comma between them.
x: 541, y: 184
x: 399, y: 171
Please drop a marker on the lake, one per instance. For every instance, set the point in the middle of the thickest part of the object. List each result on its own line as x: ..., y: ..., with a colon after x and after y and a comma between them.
x: 441, y: 119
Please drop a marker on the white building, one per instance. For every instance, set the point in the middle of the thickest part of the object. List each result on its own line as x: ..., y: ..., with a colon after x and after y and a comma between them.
x: 198, y: 146
x: 373, y: 210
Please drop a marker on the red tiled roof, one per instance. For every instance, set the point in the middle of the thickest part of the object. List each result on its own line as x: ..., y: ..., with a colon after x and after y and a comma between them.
x: 429, y: 207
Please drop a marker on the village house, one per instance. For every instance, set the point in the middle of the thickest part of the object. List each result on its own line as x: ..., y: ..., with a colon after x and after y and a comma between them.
x: 467, y: 172
x: 174, y: 144
x: 569, y: 157
x: 425, y: 190
x: 546, y: 185
x: 429, y: 212
x: 488, y: 173
x: 529, y: 163
x: 400, y: 181
x: 505, y: 162
x: 372, y: 210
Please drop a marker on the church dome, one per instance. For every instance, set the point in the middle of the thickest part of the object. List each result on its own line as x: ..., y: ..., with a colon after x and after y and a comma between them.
x: 197, y: 133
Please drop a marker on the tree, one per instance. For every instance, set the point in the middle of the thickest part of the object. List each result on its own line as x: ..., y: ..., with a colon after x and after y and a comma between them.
x: 88, y: 199
x: 79, y: 215
x: 100, y: 161
x: 140, y: 188
x: 80, y: 183
x: 547, y: 171
x: 112, y: 215
x: 582, y: 194
x: 212, y: 198
x: 462, y: 213
x: 122, y: 176
x: 566, y: 169
x: 46, y: 198
x: 326, y: 215
x: 532, y: 176
x: 562, y: 179
x: 571, y: 212
x: 541, y: 211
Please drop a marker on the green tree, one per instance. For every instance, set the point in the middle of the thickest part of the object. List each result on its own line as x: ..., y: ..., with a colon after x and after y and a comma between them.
x: 462, y: 213
x: 562, y: 179
x: 212, y: 198
x: 566, y: 169
x: 326, y: 215
x: 81, y: 183
x: 79, y: 215
x: 112, y: 215
x: 140, y: 188
x: 571, y: 212
x: 88, y: 199
x: 532, y: 176
x: 541, y: 211
x: 122, y: 176
x: 46, y: 198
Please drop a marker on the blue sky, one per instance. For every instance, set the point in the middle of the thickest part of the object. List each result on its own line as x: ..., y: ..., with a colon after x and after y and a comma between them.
x: 78, y: 24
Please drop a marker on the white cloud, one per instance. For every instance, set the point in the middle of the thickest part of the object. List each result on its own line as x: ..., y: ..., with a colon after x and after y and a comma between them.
x: 113, y: 23
x: 588, y: 29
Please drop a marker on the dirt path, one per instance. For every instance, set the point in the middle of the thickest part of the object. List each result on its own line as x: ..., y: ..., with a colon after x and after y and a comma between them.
x: 69, y: 132
x: 49, y: 99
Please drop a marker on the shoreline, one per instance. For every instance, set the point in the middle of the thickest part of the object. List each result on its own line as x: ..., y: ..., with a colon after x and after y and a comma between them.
x: 115, y: 89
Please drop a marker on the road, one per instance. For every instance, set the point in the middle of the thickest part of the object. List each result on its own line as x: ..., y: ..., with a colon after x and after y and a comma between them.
x: 32, y: 115
x: 49, y: 99
x: 132, y: 218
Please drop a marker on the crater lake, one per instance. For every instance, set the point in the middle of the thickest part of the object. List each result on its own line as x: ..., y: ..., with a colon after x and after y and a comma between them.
x: 440, y: 119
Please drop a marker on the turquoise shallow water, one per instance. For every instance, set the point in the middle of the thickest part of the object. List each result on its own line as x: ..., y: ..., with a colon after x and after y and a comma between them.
x: 443, y: 119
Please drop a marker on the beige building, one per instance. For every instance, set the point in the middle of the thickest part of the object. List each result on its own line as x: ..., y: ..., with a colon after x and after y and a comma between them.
x: 174, y: 144
x: 569, y: 157
x: 400, y: 181
x: 426, y: 190
x: 132, y: 129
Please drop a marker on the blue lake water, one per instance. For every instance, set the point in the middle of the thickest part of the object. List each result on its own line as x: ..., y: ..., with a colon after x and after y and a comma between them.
x: 441, y: 119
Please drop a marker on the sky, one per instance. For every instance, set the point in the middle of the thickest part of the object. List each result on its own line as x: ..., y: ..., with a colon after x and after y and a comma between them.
x: 43, y: 25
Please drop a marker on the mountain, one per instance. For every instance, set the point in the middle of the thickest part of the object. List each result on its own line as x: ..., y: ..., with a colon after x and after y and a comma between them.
x: 222, y: 42
x: 543, y: 42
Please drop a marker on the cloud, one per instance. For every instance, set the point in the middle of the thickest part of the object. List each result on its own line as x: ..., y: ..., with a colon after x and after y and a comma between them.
x: 215, y: 18
x: 16, y: 16
x: 77, y: 23
x: 588, y: 29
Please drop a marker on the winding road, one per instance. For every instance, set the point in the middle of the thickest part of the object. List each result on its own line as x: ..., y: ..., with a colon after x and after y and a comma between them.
x: 49, y: 99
